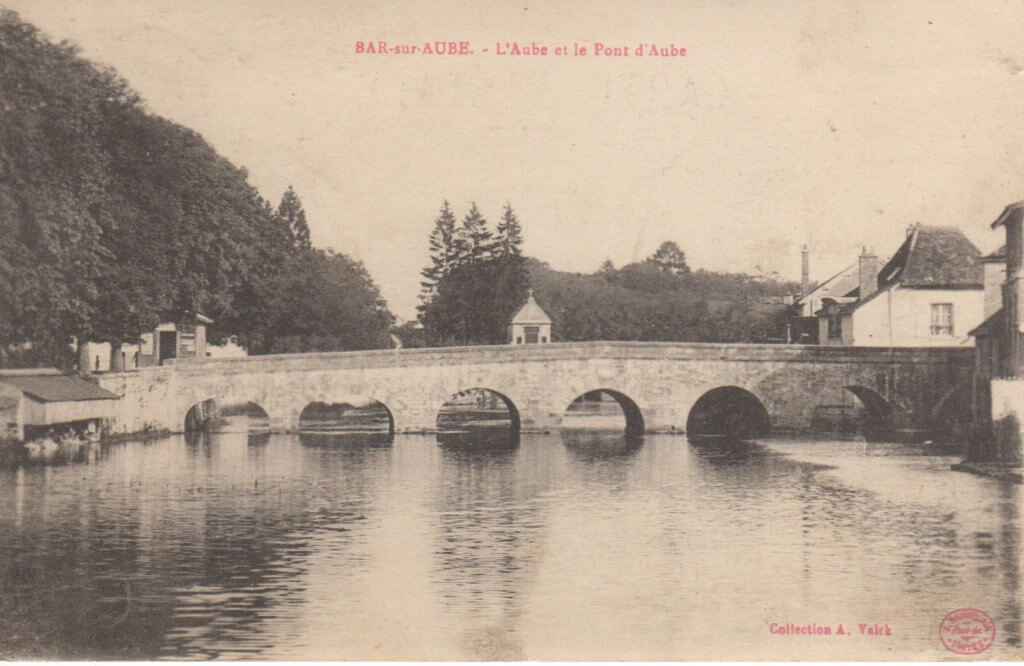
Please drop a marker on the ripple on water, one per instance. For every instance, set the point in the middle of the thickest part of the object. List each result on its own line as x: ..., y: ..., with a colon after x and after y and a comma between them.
x: 572, y: 545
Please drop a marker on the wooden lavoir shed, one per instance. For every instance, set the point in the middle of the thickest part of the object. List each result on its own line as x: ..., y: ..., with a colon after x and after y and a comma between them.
x: 40, y: 401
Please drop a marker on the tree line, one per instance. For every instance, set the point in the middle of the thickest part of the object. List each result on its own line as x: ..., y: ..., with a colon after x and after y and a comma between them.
x: 113, y: 219
x: 476, y: 280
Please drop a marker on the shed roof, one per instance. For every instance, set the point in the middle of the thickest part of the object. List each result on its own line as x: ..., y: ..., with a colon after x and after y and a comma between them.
x: 935, y: 257
x: 61, y: 388
x: 530, y: 313
x: 991, y: 327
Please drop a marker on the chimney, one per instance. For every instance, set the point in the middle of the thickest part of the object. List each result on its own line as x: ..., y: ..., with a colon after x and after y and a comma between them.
x: 805, y: 271
x: 868, y: 273
x: 910, y: 230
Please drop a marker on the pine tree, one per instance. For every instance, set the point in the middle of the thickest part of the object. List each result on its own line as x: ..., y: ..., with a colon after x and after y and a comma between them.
x: 474, y: 240
x: 443, y: 253
x: 290, y: 212
x: 510, y: 234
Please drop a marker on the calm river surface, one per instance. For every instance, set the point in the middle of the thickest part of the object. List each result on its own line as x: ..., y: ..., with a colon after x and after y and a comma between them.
x: 563, y: 548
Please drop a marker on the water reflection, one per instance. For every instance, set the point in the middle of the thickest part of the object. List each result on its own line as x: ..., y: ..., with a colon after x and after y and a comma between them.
x: 346, y: 440
x: 573, y: 545
x: 489, y: 538
x: 489, y: 440
x: 590, y: 445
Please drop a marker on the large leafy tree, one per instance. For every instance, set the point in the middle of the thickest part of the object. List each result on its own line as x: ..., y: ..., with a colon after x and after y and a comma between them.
x: 113, y: 219
x: 670, y: 258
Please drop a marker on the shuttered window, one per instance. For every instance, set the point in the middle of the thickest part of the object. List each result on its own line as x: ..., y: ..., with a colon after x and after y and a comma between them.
x: 942, y: 319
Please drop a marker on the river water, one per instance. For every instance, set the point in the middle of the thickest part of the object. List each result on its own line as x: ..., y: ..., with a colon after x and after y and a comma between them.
x: 565, y: 547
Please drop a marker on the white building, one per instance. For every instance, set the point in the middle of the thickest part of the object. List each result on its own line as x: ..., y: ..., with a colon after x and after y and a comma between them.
x: 929, y: 294
x: 530, y: 325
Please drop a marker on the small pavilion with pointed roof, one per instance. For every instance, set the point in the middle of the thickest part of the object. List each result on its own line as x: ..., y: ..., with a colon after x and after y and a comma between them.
x: 530, y: 325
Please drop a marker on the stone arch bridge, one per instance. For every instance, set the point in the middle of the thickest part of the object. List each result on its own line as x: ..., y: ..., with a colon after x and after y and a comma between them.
x: 658, y: 384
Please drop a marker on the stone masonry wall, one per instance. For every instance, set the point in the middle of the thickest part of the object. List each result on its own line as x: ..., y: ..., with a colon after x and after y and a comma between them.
x: 663, y: 379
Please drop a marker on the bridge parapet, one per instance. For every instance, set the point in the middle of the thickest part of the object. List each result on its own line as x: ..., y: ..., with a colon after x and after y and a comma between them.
x: 664, y: 380
x: 664, y: 351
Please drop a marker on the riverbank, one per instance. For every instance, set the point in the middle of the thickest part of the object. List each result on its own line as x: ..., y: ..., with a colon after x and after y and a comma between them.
x: 991, y: 470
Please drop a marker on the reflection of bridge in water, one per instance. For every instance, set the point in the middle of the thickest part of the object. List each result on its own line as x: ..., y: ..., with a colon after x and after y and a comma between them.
x: 660, y: 387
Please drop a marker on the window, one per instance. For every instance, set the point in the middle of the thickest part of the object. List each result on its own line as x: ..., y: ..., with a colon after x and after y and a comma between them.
x: 531, y: 333
x: 942, y: 319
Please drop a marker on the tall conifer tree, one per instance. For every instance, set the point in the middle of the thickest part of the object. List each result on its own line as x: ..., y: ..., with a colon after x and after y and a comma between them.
x: 510, y: 234
x: 290, y: 212
x: 475, y: 241
x: 444, y: 253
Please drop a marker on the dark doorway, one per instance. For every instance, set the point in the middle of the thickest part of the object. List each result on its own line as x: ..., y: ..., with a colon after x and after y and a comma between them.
x: 168, y: 345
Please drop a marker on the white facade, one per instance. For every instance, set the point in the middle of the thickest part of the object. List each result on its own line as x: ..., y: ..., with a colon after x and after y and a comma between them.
x: 530, y: 325
x: 94, y: 356
x: 904, y: 317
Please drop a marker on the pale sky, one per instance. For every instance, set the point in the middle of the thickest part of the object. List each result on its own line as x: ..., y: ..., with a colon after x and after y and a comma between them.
x: 784, y: 124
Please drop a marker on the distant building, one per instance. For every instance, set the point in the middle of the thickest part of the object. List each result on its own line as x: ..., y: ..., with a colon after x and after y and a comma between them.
x: 36, y: 402
x: 530, y: 325
x: 803, y: 322
x: 931, y: 293
x: 166, y: 341
x: 1000, y: 338
x: 999, y: 352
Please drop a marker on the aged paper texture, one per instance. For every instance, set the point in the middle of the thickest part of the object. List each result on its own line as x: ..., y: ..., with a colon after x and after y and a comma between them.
x: 809, y: 512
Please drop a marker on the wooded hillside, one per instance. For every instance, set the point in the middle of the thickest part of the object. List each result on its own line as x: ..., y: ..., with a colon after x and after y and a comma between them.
x: 113, y: 219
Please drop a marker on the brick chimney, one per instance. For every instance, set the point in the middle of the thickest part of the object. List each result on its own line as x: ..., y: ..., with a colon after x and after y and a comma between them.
x: 805, y: 271
x: 868, y: 273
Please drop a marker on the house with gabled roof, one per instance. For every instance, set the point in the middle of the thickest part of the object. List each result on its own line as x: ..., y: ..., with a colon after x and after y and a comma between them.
x: 803, y: 321
x: 37, y: 401
x: 530, y: 325
x: 929, y: 294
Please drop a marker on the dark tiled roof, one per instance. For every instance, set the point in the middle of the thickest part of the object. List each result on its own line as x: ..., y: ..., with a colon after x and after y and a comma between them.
x: 991, y: 327
x: 59, y: 388
x: 935, y: 257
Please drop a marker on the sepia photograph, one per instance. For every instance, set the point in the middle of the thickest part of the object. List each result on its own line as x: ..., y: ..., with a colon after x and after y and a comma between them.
x: 371, y: 330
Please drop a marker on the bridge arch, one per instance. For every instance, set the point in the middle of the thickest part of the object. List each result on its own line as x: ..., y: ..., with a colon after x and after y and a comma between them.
x: 216, y: 415
x: 877, y: 421
x: 478, y: 414
x: 200, y: 416
x: 351, y: 416
x: 728, y: 411
x: 588, y: 411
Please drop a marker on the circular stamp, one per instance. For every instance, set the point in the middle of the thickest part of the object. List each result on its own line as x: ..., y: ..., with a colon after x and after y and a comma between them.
x: 967, y: 631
